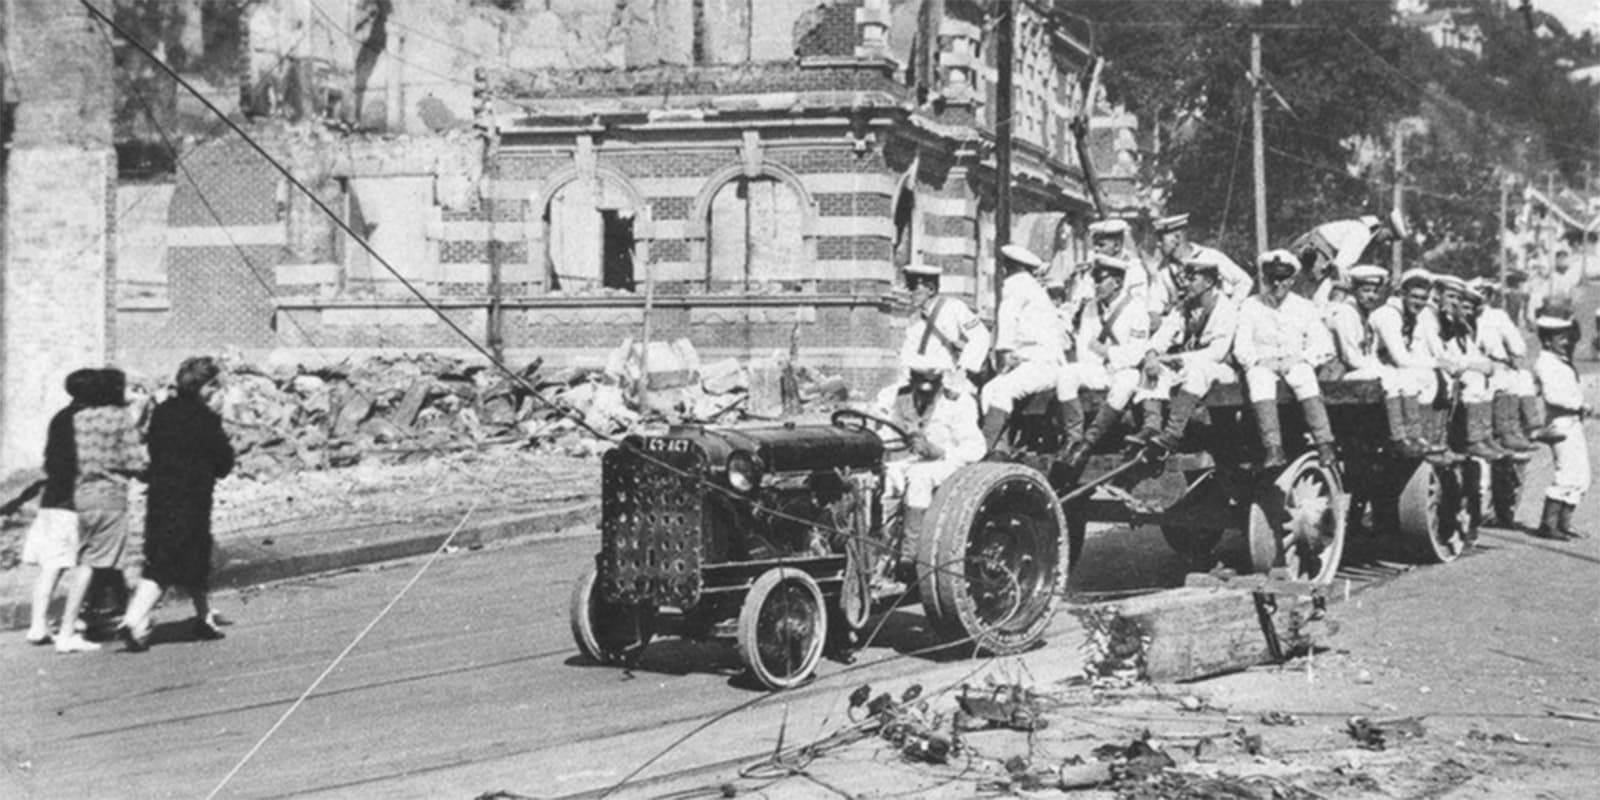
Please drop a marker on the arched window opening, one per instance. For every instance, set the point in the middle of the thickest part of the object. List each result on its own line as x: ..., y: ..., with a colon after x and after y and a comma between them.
x: 905, y: 207
x: 754, y: 231
x: 589, y: 237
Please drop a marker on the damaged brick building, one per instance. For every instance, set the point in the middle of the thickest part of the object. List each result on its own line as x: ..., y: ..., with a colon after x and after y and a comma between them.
x: 766, y: 165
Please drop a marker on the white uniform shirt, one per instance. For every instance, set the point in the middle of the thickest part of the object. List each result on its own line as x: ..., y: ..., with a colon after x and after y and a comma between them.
x: 1558, y: 383
x: 951, y: 423
x: 1499, y: 338
x: 1293, y: 330
x: 1027, y: 321
x: 1419, y: 350
x: 1340, y: 242
x: 1355, y: 343
x: 954, y: 327
x: 1176, y: 337
x: 1120, y: 328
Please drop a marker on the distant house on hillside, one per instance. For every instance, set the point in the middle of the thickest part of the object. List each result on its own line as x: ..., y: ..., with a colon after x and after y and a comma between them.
x: 1449, y: 29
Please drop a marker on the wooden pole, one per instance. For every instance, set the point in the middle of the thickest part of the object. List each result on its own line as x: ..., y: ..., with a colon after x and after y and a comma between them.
x: 1397, y: 249
x: 1005, y: 55
x: 1259, y: 148
x: 1505, y: 239
x: 644, y: 351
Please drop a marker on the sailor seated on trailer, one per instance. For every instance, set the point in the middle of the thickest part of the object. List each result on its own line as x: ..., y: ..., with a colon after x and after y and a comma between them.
x: 1468, y: 368
x: 1027, y: 348
x: 1280, y: 336
x: 1111, y: 334
x: 1187, y: 355
x: 943, y: 427
x: 1350, y: 313
x: 1407, y: 330
x: 942, y: 322
x: 1518, y: 415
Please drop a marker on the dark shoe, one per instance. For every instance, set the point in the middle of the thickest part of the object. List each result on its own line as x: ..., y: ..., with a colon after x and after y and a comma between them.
x: 132, y: 642
x: 1550, y: 520
x: 1547, y: 435
x: 1326, y: 454
x: 1564, y: 524
x: 206, y: 632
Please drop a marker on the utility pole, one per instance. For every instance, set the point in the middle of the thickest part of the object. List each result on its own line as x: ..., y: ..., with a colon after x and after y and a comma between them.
x: 1397, y: 249
x: 1259, y: 149
x: 1005, y: 55
x: 1505, y: 207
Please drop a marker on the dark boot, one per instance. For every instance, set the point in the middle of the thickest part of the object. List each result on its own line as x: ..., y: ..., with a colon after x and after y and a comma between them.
x: 1533, y: 420
x: 1071, y: 425
x: 1316, y: 414
x: 1178, y: 414
x: 1550, y: 520
x: 993, y: 425
x: 1271, y: 435
x: 1479, y: 427
x: 1400, y: 440
x: 1508, y: 428
x: 1564, y: 524
x: 1150, y: 425
x: 1416, y: 428
x: 1436, y: 432
x: 1099, y: 427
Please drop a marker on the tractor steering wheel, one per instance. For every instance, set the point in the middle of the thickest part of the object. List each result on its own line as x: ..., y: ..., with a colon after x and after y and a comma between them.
x: 853, y: 420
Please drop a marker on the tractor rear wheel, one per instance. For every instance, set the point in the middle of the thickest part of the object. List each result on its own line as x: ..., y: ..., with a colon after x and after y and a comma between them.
x: 993, y: 557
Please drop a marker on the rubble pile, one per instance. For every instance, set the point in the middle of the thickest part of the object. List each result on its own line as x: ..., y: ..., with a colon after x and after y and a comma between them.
x: 390, y: 409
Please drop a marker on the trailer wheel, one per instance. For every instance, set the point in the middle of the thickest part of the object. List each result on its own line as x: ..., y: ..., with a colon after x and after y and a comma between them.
x: 1505, y: 492
x: 990, y: 560
x: 606, y: 632
x: 1298, y: 521
x: 783, y: 626
x: 1425, y: 516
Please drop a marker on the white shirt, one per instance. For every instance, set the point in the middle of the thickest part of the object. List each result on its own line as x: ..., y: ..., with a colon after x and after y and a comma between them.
x: 1499, y: 338
x: 1027, y: 321
x: 1293, y: 330
x: 950, y: 424
x: 1420, y: 350
x: 1116, y: 334
x: 1558, y: 382
x: 1355, y: 342
x: 1215, y: 339
x: 955, y: 328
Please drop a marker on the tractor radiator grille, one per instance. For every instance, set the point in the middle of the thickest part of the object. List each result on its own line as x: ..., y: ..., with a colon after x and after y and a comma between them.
x: 651, y: 525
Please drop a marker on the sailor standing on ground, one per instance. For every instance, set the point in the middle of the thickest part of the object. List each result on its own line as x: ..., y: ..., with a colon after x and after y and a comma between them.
x: 942, y: 323
x: 1563, y: 397
x: 1166, y: 290
x: 944, y: 435
x: 1027, y: 348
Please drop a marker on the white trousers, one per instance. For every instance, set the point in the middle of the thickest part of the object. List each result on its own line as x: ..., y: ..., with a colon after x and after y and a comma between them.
x: 1003, y: 391
x: 1474, y: 387
x: 913, y: 481
x: 1080, y: 375
x: 1570, y: 478
x: 1518, y: 382
x: 1196, y: 378
x: 1262, y: 383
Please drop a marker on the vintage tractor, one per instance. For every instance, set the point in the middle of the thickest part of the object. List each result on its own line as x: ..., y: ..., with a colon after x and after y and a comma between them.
x: 778, y: 537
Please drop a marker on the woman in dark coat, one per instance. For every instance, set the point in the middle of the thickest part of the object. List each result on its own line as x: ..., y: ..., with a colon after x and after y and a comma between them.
x: 188, y: 453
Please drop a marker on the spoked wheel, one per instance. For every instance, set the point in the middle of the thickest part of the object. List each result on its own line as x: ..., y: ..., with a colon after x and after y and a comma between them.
x: 783, y: 626
x: 1298, y: 522
x: 991, y: 558
x: 610, y: 633
x: 1425, y: 516
x: 1505, y: 492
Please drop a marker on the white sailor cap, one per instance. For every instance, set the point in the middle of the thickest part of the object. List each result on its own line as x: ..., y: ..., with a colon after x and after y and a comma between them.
x: 1108, y: 227
x: 920, y: 268
x: 1023, y: 256
x: 1173, y: 223
x: 1278, y: 264
x: 1368, y: 275
x: 1414, y: 276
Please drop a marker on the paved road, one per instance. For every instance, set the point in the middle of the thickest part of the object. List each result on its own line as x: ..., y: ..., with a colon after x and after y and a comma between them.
x: 471, y: 683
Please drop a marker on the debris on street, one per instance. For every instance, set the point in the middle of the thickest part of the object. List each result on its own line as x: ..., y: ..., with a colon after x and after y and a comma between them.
x: 1381, y: 734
